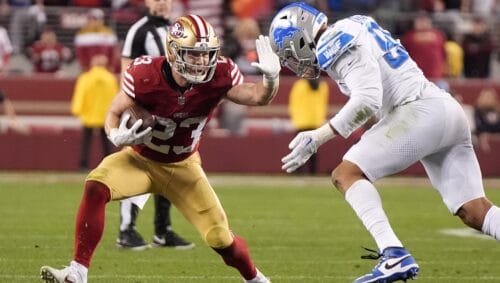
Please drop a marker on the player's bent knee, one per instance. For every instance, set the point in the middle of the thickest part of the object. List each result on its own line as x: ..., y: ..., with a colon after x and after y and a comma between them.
x: 97, y: 191
x: 344, y: 175
x: 473, y: 212
x: 336, y: 179
x: 218, y: 237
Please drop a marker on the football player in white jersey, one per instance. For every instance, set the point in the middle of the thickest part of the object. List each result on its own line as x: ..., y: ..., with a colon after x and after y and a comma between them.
x: 417, y: 122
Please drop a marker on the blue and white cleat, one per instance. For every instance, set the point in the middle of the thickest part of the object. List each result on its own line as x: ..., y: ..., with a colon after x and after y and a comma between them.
x: 395, y: 264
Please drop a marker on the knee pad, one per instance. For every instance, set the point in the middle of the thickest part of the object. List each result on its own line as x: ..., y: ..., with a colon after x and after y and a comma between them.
x: 218, y: 237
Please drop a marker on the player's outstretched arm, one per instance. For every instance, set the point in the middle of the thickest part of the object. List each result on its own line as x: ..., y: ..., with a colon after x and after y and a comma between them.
x: 260, y: 93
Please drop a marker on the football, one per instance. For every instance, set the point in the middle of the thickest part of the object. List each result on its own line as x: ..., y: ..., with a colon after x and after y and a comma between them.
x: 137, y: 112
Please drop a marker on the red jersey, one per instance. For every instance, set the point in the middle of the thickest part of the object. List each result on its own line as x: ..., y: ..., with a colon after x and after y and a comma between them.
x: 90, y: 41
x: 426, y: 48
x: 181, y: 113
x: 48, y: 58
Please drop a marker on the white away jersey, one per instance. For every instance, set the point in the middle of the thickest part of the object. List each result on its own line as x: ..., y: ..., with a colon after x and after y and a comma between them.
x: 370, y: 66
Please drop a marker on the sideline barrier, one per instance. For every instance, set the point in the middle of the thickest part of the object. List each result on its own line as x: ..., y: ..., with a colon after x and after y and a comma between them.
x: 49, y: 95
x: 49, y: 149
x: 55, y: 144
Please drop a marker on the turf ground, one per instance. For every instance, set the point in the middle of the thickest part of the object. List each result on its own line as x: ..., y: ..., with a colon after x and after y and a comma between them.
x: 298, y: 230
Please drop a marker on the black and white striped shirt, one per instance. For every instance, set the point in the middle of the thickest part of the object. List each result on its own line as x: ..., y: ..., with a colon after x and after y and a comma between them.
x: 147, y: 36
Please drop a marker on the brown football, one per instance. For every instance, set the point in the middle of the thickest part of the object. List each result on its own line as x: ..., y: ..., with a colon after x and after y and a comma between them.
x: 137, y: 112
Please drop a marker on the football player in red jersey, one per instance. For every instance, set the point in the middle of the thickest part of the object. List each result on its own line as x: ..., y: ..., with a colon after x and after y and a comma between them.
x: 181, y: 90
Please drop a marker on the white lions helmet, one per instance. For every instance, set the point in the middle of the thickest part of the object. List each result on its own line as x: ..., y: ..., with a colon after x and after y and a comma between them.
x: 292, y: 33
x: 192, y: 36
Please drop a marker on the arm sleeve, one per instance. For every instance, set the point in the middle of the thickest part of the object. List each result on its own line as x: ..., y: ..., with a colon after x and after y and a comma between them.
x: 361, y: 74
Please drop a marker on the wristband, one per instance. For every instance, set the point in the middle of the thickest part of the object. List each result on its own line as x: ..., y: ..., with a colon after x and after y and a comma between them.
x: 270, y: 81
x: 324, y: 133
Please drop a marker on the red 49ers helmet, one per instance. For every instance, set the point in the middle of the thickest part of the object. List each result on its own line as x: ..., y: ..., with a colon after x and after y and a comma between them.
x: 192, y: 48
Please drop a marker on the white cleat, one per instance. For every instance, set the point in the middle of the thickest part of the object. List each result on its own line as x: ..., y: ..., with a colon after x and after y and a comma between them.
x: 69, y: 274
x: 259, y: 278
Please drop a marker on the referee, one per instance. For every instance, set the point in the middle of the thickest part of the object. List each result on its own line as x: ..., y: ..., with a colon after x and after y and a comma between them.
x: 148, y: 37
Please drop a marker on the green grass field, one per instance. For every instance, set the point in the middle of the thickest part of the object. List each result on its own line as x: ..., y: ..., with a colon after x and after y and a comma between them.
x: 298, y: 230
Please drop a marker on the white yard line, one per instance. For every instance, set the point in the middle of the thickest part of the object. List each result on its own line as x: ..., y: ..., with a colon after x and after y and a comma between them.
x: 464, y: 233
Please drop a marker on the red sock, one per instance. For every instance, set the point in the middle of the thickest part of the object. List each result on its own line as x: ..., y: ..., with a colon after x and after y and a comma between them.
x: 90, y: 221
x: 237, y: 256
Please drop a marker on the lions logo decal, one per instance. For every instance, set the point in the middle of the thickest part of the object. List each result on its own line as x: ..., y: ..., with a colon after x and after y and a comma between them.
x: 284, y: 30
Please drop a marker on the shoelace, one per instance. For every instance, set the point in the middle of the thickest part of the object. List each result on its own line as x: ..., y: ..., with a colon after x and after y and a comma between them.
x: 374, y: 255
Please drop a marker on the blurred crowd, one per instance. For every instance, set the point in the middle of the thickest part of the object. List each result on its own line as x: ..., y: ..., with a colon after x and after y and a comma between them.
x: 448, y: 39
x: 460, y: 36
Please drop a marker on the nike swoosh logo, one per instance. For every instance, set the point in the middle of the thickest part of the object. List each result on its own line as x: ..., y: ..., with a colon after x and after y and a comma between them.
x: 389, y: 266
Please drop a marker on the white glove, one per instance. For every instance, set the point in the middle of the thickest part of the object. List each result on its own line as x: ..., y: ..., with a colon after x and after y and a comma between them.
x: 304, y: 145
x: 122, y: 135
x: 269, y: 62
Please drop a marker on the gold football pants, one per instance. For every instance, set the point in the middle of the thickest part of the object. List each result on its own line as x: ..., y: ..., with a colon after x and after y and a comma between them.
x: 184, y: 183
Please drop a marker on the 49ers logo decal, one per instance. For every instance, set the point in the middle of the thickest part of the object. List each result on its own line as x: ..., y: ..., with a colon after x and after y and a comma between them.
x: 177, y: 30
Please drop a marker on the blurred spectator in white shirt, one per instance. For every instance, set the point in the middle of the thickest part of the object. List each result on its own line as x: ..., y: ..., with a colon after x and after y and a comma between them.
x: 27, y: 20
x: 5, y: 48
x: 479, y: 7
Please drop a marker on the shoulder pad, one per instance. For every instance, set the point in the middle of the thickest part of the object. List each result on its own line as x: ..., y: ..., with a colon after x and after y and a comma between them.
x: 336, y: 40
x: 142, y: 67
x: 142, y: 74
